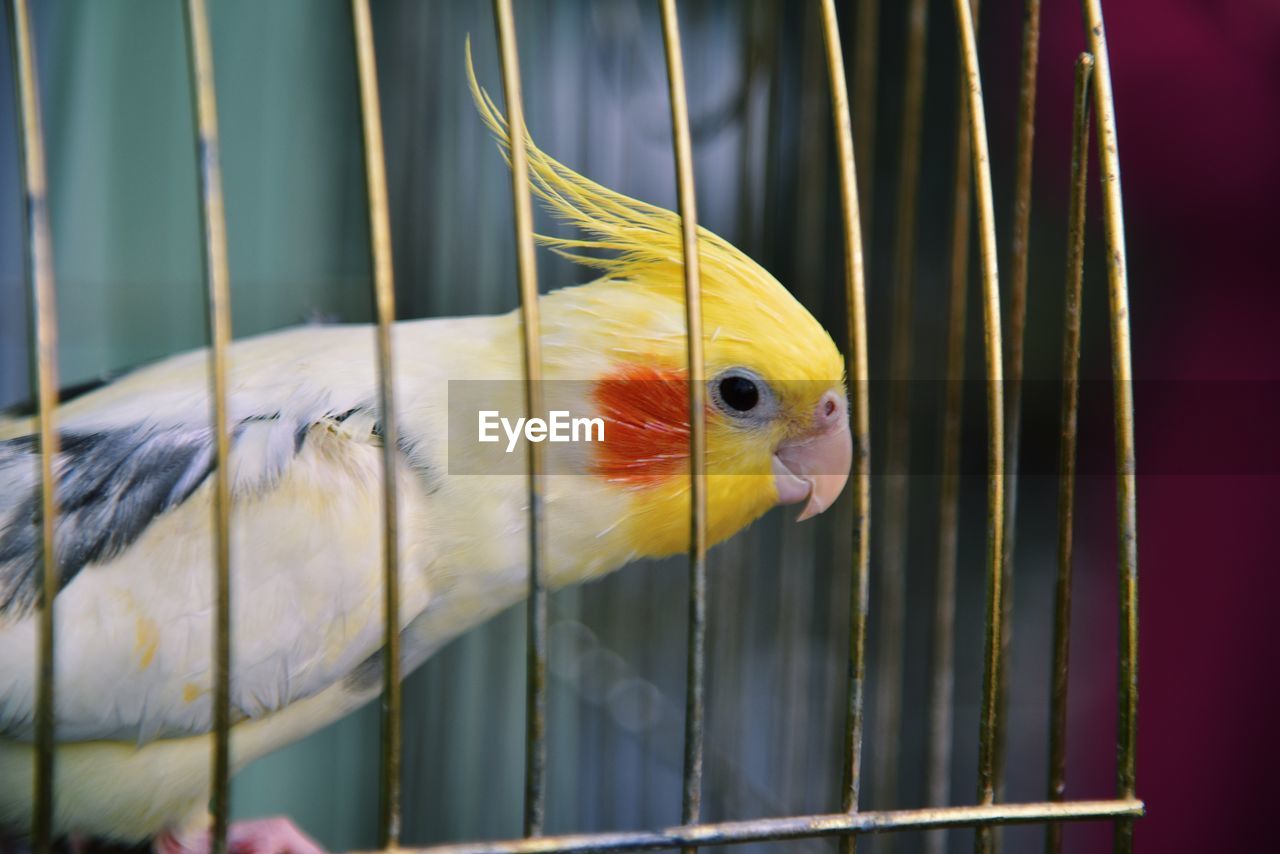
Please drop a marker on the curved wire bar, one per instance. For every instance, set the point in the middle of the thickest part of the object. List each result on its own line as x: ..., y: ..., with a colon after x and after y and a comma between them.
x: 535, y: 775
x: 856, y: 368
x: 691, y: 801
x: 1019, y: 237
x: 44, y: 324
x: 384, y: 297
x: 214, y: 232
x: 990, y: 714
x: 806, y: 827
x: 1122, y: 380
x: 1067, y: 446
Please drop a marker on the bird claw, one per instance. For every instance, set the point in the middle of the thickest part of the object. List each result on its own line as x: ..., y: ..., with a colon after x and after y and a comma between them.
x: 260, y: 836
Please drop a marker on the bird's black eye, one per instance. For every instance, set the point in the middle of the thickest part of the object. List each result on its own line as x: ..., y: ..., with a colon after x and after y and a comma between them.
x: 744, y: 396
x: 739, y: 393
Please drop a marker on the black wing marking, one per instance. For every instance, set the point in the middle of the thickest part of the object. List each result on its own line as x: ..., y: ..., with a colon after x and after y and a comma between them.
x: 111, y: 485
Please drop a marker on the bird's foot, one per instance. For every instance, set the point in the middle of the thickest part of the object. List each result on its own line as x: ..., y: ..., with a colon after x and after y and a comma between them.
x: 260, y: 836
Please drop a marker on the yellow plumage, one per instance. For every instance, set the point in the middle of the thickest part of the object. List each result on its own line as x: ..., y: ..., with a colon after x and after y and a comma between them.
x: 635, y: 311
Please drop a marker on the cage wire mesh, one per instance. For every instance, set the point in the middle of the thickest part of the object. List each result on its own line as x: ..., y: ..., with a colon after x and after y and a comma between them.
x: 310, y: 199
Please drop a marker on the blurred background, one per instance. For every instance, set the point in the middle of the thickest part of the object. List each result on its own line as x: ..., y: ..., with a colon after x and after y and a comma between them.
x: 1197, y: 87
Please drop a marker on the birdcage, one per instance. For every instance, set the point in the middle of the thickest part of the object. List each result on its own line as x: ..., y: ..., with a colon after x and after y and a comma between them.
x: 1003, y: 345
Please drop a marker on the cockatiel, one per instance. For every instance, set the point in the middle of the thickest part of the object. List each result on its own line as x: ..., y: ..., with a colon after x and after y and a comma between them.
x: 134, y: 538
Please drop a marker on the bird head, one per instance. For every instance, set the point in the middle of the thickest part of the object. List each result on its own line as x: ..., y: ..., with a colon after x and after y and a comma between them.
x: 777, y: 428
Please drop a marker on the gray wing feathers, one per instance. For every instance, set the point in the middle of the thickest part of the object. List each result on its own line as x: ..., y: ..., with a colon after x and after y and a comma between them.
x: 112, y: 483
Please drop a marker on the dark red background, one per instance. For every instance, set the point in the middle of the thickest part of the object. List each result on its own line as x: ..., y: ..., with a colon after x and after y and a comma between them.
x: 1197, y: 86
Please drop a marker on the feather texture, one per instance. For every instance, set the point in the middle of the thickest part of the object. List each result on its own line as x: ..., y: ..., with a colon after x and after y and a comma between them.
x: 110, y: 486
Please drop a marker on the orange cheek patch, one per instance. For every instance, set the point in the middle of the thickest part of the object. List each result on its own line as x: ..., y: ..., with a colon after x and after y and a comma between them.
x: 646, y: 434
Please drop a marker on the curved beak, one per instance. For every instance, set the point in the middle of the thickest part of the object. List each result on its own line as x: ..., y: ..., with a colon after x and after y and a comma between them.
x: 814, y: 469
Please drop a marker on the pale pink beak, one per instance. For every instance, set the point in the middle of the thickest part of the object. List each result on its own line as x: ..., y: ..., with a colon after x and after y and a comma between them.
x: 814, y: 469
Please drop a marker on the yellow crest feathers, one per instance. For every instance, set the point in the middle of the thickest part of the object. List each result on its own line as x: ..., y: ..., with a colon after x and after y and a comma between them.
x: 745, y: 308
x: 645, y: 238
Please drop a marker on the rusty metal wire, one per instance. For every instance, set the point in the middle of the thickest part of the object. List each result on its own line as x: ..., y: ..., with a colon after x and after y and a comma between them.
x: 44, y: 324
x: 214, y: 232
x: 1019, y: 237
x: 857, y: 370
x: 384, y: 297
x: 807, y: 827
x: 1122, y: 383
x: 691, y: 801
x: 990, y: 715
x: 1067, y: 446
x: 535, y: 777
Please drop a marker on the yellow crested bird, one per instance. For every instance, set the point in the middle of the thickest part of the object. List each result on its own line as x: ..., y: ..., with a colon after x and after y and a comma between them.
x: 134, y: 539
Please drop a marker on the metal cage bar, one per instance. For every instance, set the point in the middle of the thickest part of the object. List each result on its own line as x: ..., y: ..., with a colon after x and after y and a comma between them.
x: 527, y: 270
x: 857, y: 371
x: 1019, y: 237
x: 384, y: 297
x: 691, y: 800
x: 893, y: 551
x: 1067, y: 446
x: 214, y: 234
x: 807, y: 827
x: 942, y: 681
x: 44, y: 368
x: 1122, y: 381
x: 990, y: 715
